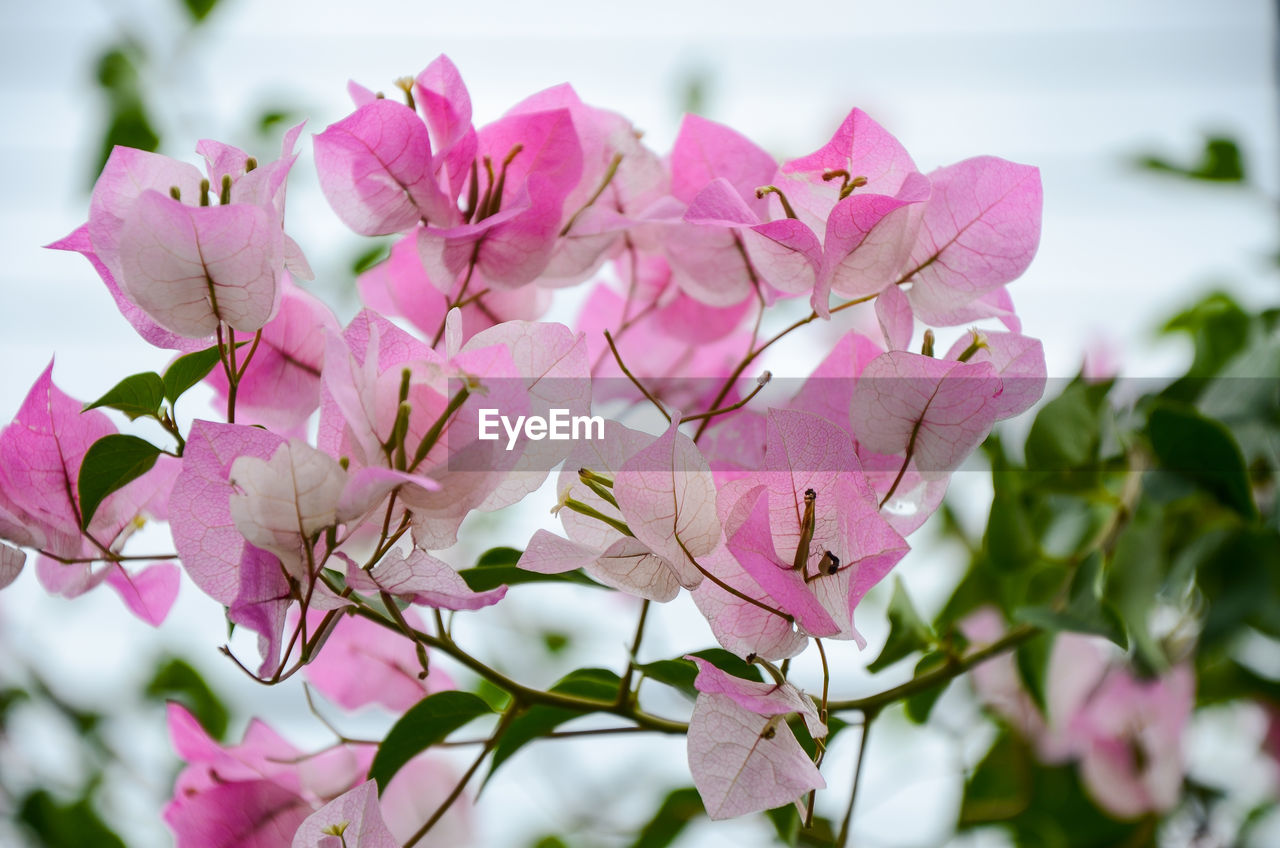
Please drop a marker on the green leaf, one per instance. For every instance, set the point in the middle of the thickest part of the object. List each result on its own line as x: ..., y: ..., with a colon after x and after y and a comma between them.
x: 497, y: 567
x: 427, y: 723
x: 786, y: 823
x: 199, y: 9
x: 1203, y: 451
x: 1067, y: 432
x: 1219, y: 330
x: 186, y: 371
x: 596, y: 683
x: 680, y: 673
x: 908, y: 632
x: 135, y: 396
x: 1133, y: 580
x: 177, y: 680
x: 110, y: 463
x: 1102, y: 621
x: 677, y: 809
x: 1220, y: 162
x: 370, y: 257
x: 59, y: 825
x: 920, y: 705
x: 1240, y: 580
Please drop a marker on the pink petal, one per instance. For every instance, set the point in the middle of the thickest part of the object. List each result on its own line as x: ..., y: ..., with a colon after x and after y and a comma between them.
x: 942, y: 409
x: 211, y: 549
x: 375, y: 170
x: 191, y: 267
x: 668, y: 498
x: 148, y: 593
x: 981, y: 228
x: 358, y: 815
x: 11, y: 561
x: 423, y: 579
x: 897, y: 322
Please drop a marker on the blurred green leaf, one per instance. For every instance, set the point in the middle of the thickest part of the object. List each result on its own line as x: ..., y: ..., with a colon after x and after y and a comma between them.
x: 1202, y: 450
x: 1240, y: 579
x: 539, y: 720
x: 367, y: 259
x: 177, y: 680
x: 1133, y: 580
x: 1221, y: 161
x: 1219, y: 331
x: 135, y: 396
x: 199, y: 9
x: 1067, y: 432
x: 426, y: 723
x: 677, y: 809
x: 58, y: 825
x: 908, y: 632
x: 920, y: 705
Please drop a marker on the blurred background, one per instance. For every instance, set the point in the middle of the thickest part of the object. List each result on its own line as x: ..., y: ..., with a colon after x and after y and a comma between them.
x: 1110, y: 100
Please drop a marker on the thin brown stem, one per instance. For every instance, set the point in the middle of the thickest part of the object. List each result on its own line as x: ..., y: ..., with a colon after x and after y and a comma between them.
x: 625, y: 370
x: 843, y: 838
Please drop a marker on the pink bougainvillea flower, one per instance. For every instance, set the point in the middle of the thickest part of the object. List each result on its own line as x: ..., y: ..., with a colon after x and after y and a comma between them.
x: 1129, y: 739
x: 620, y: 178
x: 708, y: 259
x: 808, y: 454
x: 784, y: 253
x: 860, y: 147
x: 935, y: 410
x: 601, y: 549
x: 280, y: 503
x: 191, y: 268
x: 446, y: 106
x: 281, y: 386
x: 534, y: 162
x: 739, y: 625
x: 364, y: 372
x: 980, y: 231
x: 668, y: 498
x: 40, y: 456
x: 128, y: 267
x: 364, y: 663
x: 1019, y: 362
x: 742, y: 753
x: 249, y: 580
x: 376, y: 170
x: 399, y: 286
x: 422, y: 579
x: 868, y: 239
x: 352, y: 820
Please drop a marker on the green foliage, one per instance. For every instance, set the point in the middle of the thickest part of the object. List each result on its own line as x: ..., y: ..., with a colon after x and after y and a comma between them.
x: 908, y: 632
x: 188, y: 370
x: 1220, y: 161
x: 110, y: 463
x: 136, y: 396
x: 678, y: 808
x: 1201, y: 449
x: 129, y: 122
x: 539, y: 720
x: 199, y: 9
x: 176, y: 680
x: 59, y: 825
x: 1041, y: 806
x: 427, y: 723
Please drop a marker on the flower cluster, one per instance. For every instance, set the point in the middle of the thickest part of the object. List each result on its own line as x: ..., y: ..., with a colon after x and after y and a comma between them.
x: 777, y: 520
